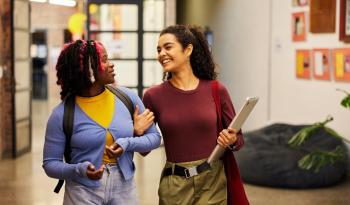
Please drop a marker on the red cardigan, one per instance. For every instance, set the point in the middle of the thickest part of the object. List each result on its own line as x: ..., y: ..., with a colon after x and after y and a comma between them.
x: 235, y: 190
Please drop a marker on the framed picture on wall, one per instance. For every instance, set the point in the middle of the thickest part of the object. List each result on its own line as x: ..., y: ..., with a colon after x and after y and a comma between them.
x: 322, y: 16
x: 302, y: 64
x: 344, y: 21
x: 299, y: 26
x: 300, y: 2
x: 341, y: 64
x: 321, y: 64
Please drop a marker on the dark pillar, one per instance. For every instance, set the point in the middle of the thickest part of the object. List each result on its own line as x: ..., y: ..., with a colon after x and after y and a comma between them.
x: 6, y: 79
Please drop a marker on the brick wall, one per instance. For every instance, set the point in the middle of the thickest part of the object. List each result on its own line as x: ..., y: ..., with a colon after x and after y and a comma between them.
x: 6, y: 81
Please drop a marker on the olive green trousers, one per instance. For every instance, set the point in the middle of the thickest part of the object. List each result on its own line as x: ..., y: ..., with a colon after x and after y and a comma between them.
x: 209, y: 187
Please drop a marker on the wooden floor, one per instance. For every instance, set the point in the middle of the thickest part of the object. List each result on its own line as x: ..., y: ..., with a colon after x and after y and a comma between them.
x: 23, y: 181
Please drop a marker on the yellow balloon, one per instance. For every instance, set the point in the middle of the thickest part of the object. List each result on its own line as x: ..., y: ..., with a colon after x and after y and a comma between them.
x: 93, y: 8
x: 76, y: 23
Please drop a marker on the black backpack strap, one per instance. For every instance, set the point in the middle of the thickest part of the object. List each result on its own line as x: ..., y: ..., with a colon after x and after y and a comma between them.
x: 68, y: 120
x: 124, y: 98
x: 59, y: 186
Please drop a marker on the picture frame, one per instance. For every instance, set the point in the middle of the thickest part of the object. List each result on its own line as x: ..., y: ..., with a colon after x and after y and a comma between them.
x: 341, y: 64
x: 322, y: 16
x: 321, y: 64
x: 299, y: 26
x: 344, y: 21
x: 302, y: 64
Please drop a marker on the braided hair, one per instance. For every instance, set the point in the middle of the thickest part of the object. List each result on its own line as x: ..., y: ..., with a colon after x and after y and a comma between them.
x: 201, y: 59
x: 77, y: 65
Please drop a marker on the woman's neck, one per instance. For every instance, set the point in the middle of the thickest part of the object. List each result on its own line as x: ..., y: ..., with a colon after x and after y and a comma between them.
x: 94, y: 90
x: 184, y: 80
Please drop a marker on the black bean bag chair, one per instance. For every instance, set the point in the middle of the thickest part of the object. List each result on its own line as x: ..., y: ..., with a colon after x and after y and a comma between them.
x: 266, y: 158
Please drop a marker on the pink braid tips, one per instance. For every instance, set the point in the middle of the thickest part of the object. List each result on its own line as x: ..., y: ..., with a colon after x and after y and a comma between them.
x: 82, y: 50
x: 99, y: 49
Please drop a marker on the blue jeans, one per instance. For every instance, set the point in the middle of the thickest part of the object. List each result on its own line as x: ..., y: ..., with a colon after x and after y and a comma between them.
x: 114, y: 190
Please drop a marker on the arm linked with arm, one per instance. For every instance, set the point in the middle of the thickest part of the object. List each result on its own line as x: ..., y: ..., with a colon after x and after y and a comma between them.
x: 148, y: 141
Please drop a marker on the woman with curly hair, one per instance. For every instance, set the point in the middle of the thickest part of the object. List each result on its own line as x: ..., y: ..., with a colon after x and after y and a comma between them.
x: 186, y: 113
x: 101, y: 168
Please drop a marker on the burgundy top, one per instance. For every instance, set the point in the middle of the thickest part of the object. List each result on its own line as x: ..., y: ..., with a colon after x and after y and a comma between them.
x: 187, y: 119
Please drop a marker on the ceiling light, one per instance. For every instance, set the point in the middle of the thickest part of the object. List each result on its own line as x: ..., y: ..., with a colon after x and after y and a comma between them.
x: 70, y: 3
x: 40, y: 1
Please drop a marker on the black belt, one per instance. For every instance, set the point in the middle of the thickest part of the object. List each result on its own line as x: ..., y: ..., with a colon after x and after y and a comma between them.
x: 187, y: 172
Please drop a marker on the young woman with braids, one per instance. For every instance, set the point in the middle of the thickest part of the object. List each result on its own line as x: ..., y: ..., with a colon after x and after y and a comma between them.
x: 185, y: 111
x: 102, y: 144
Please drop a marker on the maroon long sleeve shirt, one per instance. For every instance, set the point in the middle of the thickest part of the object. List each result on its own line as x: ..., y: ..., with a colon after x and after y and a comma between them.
x: 188, y: 119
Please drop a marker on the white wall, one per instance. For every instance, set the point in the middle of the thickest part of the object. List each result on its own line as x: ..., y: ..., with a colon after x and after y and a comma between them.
x: 303, y: 101
x: 241, y: 35
x: 253, y: 46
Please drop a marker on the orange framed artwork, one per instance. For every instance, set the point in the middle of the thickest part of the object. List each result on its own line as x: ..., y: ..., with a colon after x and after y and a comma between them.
x: 302, y: 64
x: 341, y: 64
x: 321, y: 64
x: 299, y: 26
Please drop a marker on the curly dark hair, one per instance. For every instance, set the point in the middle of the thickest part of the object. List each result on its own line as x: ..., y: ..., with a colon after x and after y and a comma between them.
x: 201, y: 59
x: 77, y: 63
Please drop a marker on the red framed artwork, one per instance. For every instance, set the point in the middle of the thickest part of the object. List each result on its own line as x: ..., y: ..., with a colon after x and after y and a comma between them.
x: 321, y: 64
x: 344, y: 21
x: 298, y: 26
x: 341, y: 64
x: 302, y: 64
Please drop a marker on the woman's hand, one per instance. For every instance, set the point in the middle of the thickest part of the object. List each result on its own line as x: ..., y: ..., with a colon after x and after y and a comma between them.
x: 94, y: 174
x: 227, y: 138
x: 142, y: 121
x: 114, y: 151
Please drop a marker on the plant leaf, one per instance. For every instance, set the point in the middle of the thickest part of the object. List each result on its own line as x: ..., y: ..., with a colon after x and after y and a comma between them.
x: 346, y: 102
x: 332, y: 132
x: 300, y: 137
x: 335, y: 134
x: 318, y: 159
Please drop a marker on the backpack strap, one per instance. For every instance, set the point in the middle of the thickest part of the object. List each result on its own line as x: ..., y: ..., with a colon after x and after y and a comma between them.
x: 124, y: 98
x: 68, y: 120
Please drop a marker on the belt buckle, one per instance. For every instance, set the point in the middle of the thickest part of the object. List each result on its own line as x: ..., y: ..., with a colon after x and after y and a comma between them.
x: 190, y: 172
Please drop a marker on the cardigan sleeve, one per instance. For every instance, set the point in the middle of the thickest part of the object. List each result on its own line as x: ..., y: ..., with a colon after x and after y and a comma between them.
x: 54, y: 146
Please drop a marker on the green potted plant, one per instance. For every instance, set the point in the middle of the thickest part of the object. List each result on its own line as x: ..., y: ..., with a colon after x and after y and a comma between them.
x: 317, y: 159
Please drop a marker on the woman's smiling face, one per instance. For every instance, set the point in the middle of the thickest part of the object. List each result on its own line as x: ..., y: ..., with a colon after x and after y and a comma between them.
x: 171, y: 54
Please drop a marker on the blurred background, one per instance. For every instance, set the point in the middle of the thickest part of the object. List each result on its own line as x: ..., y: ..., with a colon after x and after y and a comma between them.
x: 293, y: 54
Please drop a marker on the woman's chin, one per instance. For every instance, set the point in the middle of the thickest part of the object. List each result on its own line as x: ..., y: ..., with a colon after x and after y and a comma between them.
x: 167, y: 69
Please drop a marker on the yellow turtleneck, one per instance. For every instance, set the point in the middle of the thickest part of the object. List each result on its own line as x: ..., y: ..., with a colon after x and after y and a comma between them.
x: 100, y: 108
